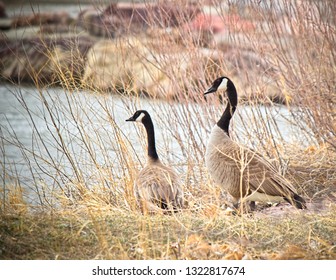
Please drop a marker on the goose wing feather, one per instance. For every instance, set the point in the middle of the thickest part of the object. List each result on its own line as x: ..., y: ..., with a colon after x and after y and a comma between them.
x: 259, y: 174
x: 263, y: 177
x: 158, y: 183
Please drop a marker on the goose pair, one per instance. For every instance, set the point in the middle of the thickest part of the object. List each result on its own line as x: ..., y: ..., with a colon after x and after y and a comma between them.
x: 244, y: 174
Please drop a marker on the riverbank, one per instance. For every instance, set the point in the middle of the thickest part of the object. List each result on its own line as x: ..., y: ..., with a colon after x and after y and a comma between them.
x: 100, y: 223
x: 93, y: 230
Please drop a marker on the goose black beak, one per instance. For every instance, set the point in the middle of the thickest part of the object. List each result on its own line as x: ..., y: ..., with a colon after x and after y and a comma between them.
x: 210, y: 90
x: 131, y: 119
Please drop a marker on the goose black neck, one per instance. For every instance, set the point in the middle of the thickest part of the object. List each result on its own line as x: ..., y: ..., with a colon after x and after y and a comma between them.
x: 147, y: 122
x: 224, y: 121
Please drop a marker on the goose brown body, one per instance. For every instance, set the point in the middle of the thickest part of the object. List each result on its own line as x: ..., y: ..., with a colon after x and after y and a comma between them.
x: 243, y: 173
x: 157, y: 188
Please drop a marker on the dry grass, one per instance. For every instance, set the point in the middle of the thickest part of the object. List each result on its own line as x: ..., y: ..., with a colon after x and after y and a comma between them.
x: 98, y: 231
x: 83, y: 159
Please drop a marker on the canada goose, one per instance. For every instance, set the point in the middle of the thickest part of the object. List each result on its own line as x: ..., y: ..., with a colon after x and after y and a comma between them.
x: 157, y: 187
x: 245, y: 174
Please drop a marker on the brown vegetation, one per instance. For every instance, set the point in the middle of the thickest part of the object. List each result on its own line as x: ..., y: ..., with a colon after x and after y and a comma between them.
x: 87, y: 209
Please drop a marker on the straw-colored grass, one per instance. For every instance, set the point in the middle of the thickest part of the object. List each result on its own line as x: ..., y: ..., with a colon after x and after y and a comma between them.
x: 98, y: 231
x: 82, y: 158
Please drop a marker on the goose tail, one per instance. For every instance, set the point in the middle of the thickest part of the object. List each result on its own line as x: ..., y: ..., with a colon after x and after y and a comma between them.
x: 297, y: 201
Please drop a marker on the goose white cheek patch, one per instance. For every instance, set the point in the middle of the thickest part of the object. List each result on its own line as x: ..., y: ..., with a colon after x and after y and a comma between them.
x: 223, y: 84
x: 141, y: 116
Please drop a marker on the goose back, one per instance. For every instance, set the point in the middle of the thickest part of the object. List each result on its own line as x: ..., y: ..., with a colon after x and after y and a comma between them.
x: 157, y: 187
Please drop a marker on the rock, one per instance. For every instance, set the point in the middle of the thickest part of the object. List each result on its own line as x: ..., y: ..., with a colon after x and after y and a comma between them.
x: 94, y: 23
x: 137, y: 66
x: 216, y: 23
x: 46, y: 61
x: 119, y: 65
x: 206, y: 22
x: 117, y: 19
x: 5, y: 23
x: 3, y: 13
x: 40, y: 19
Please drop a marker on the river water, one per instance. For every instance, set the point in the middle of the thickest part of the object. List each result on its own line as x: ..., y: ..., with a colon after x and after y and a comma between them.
x: 39, y: 128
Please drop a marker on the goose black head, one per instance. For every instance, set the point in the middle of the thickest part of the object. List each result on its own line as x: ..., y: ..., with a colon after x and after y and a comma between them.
x: 144, y: 117
x: 219, y: 83
x: 139, y: 116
